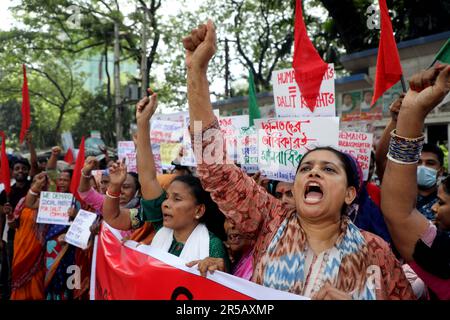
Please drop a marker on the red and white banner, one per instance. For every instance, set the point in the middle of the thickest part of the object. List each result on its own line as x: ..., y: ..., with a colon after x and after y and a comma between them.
x: 138, y: 272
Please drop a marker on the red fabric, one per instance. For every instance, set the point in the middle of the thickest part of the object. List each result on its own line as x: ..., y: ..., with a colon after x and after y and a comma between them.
x: 123, y: 273
x: 26, y: 118
x: 4, y: 166
x: 76, y: 177
x: 389, y: 70
x: 308, y: 66
x: 374, y: 193
x: 69, y: 156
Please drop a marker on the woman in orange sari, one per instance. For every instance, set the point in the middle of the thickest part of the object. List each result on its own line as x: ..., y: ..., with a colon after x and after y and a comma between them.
x: 28, y: 270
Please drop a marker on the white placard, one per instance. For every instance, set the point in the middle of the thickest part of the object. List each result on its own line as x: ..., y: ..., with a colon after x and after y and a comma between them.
x: 282, y: 142
x: 127, y: 150
x: 79, y: 233
x: 163, y: 131
x: 359, y: 145
x: 289, y: 101
x: 67, y: 141
x: 53, y: 207
x: 230, y: 127
x: 247, y: 144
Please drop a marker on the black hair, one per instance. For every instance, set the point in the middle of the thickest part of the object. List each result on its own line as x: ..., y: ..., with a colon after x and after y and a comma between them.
x: 69, y: 171
x: 350, y: 167
x: 136, y: 180
x: 213, y: 218
x: 22, y: 161
x: 429, y: 147
x: 446, y: 185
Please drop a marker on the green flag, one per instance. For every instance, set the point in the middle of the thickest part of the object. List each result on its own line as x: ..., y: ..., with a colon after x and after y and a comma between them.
x: 443, y: 55
x: 253, y: 108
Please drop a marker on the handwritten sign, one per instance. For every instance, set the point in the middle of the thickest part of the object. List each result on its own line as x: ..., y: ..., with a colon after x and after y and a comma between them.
x: 53, y: 208
x: 169, y: 152
x: 247, y: 144
x: 79, y: 233
x: 230, y: 127
x: 126, y: 149
x: 289, y: 101
x: 166, y: 131
x: 156, y: 150
x: 359, y: 145
x: 283, y: 142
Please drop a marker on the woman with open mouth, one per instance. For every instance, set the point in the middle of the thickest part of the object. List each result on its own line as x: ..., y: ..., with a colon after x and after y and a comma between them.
x: 312, y: 250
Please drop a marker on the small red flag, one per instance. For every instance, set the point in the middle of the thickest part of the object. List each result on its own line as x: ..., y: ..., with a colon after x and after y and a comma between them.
x: 26, y: 117
x: 308, y: 66
x: 69, y: 156
x: 4, y: 166
x: 389, y: 70
x: 76, y: 177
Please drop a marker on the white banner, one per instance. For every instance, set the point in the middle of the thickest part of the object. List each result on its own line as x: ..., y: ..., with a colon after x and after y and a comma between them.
x: 289, y: 101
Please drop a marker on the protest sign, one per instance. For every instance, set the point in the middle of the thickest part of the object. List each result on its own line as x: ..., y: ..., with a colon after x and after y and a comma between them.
x: 162, y: 276
x: 176, y: 116
x: 230, y: 127
x: 359, y: 145
x: 126, y: 149
x: 53, y: 208
x: 156, y: 150
x: 166, y: 131
x: 282, y: 142
x: 79, y: 233
x: 289, y: 101
x: 247, y: 146
x: 169, y: 152
x: 67, y: 140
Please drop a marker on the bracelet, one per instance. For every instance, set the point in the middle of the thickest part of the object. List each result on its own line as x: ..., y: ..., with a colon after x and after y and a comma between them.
x: 85, y: 176
x: 404, y: 150
x: 33, y: 193
x: 113, y: 195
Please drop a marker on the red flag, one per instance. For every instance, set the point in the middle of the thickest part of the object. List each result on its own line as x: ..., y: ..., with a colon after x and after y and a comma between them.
x: 4, y: 166
x: 76, y: 177
x: 26, y: 118
x: 308, y: 65
x: 389, y: 70
x: 69, y: 156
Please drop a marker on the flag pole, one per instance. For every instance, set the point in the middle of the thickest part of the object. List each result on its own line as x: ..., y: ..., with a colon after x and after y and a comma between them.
x: 402, y: 79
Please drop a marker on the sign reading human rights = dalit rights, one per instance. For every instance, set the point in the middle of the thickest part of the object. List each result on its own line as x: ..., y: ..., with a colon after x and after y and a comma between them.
x: 53, y: 207
x: 282, y: 142
x: 289, y: 101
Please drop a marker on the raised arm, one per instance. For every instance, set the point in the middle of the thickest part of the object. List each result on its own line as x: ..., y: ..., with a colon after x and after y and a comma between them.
x: 112, y: 213
x: 237, y: 195
x: 383, y: 144
x: 86, y: 174
x: 52, y: 162
x: 39, y: 184
x: 33, y: 156
x: 399, y: 188
x: 150, y: 187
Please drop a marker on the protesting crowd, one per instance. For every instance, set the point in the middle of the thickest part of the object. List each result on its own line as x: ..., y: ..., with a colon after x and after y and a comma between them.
x: 330, y: 231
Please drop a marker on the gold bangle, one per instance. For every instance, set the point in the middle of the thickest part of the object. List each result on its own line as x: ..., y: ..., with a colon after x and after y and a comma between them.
x: 396, y: 136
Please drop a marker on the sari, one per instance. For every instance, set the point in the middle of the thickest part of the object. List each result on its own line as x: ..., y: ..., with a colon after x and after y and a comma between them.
x: 28, y: 270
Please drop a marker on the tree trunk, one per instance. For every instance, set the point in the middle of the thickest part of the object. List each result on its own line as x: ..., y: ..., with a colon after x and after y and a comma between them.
x: 55, y: 137
x: 117, y: 88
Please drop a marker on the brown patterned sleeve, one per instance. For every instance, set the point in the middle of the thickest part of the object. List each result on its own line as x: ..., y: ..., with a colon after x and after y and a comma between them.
x: 238, y: 196
x: 393, y: 283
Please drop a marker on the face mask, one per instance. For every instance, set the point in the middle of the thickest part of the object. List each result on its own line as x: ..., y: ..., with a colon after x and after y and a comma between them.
x: 426, y: 177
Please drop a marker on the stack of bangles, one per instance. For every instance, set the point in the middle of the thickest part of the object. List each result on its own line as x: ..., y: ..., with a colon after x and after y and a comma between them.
x: 405, y: 150
x: 113, y: 195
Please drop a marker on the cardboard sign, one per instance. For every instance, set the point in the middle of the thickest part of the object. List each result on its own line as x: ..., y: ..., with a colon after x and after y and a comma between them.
x: 289, y: 101
x: 53, y: 208
x: 79, y: 233
x: 359, y: 145
x: 282, y: 142
x: 126, y: 149
x: 230, y: 127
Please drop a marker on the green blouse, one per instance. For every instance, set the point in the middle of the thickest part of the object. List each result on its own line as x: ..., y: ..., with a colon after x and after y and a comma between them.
x: 150, y: 210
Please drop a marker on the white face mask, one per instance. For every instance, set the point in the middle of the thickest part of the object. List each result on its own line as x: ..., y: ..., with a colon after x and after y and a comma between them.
x: 426, y: 177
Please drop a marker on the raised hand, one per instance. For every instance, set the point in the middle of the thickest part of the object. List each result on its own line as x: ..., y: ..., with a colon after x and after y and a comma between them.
x: 395, y: 106
x: 90, y: 164
x: 427, y: 89
x: 40, y: 181
x: 29, y: 137
x: 146, y: 108
x: 118, y: 173
x: 56, y: 150
x: 200, y: 46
